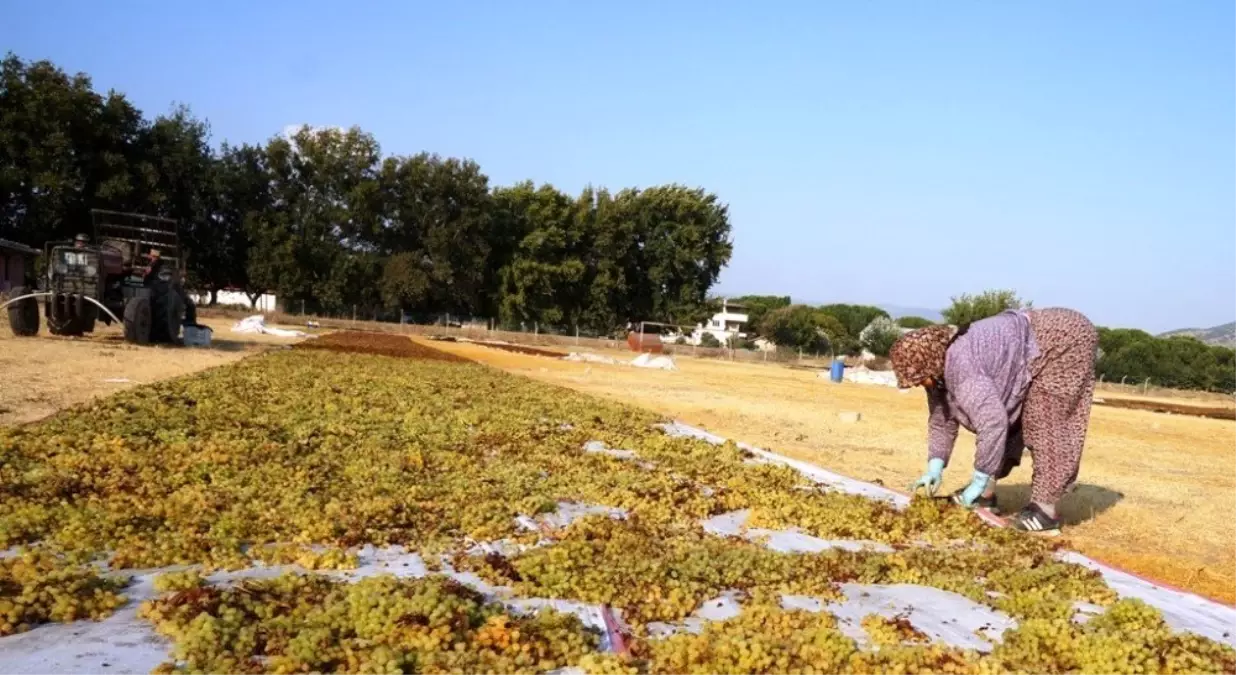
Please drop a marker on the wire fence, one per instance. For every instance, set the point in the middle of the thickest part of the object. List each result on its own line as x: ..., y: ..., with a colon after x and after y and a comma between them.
x: 563, y: 338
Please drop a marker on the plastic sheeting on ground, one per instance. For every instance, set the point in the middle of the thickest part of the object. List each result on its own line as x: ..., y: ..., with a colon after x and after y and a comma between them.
x: 647, y: 360
x: 733, y: 524
x: 588, y: 357
x: 1182, y: 611
x: 257, y: 324
x: 815, y: 473
x: 125, y: 644
x: 862, y: 375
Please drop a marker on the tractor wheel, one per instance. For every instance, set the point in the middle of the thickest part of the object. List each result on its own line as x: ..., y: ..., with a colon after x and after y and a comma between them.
x: 137, y: 321
x: 23, y: 314
x: 62, y: 317
x: 166, y: 311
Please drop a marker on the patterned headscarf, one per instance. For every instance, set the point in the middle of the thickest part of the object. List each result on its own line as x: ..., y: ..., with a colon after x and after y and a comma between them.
x: 919, y: 354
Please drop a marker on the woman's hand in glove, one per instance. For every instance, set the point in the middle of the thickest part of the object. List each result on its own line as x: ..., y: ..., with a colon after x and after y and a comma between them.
x: 930, y: 480
x: 974, y: 490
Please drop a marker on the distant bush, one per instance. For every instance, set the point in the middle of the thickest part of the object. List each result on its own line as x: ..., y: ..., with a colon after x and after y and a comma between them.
x: 1180, y: 362
x: 878, y: 337
x: 682, y: 340
x: 709, y: 340
x: 967, y: 309
x: 913, y: 322
x: 854, y: 317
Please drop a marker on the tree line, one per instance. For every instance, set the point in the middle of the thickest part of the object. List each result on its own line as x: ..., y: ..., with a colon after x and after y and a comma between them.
x: 1125, y: 354
x: 326, y: 221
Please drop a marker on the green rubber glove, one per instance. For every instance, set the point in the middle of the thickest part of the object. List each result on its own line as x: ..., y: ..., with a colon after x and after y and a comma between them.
x: 930, y: 480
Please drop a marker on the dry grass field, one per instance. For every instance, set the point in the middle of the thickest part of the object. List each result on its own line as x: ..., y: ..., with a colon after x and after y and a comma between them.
x: 41, y: 375
x: 1156, y: 495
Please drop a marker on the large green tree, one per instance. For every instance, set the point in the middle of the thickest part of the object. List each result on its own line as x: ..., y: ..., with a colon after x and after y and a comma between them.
x: 64, y: 149
x: 310, y: 245
x: 436, y: 214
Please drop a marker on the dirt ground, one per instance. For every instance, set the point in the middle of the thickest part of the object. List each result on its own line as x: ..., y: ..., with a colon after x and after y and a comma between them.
x: 43, y: 374
x: 1156, y: 493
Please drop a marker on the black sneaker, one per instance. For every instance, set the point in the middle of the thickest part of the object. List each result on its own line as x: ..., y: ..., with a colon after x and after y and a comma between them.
x: 1033, y: 520
x: 982, y: 502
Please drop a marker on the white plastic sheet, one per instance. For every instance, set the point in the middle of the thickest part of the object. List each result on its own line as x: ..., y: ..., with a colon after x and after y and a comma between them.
x: 588, y: 357
x: 257, y: 324
x: 655, y: 362
x: 733, y: 524
x: 1182, y: 611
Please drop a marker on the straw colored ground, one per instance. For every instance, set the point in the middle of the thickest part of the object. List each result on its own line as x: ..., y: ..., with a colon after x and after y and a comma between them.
x: 41, y: 375
x: 1156, y: 493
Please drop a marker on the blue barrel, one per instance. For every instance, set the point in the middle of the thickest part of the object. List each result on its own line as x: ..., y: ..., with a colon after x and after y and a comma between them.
x: 837, y: 370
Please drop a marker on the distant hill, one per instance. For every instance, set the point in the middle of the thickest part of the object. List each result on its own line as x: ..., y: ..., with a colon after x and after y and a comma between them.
x: 1224, y: 335
x: 896, y: 311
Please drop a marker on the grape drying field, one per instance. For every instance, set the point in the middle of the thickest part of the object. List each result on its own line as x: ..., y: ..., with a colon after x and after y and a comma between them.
x: 364, y: 503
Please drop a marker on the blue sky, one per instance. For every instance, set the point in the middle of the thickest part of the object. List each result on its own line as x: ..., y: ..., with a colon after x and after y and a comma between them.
x: 1081, y: 153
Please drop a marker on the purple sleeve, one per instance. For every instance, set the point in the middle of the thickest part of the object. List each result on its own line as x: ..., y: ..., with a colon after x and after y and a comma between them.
x: 981, y: 400
x: 941, y: 427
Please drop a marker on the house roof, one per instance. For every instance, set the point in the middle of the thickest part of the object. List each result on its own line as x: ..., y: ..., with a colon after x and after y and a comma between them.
x: 10, y: 245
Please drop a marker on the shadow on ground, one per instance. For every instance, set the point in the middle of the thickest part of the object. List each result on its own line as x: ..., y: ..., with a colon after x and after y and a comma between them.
x: 1082, y: 503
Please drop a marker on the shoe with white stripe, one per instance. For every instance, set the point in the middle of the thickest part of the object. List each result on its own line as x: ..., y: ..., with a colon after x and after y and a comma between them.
x: 1032, y: 519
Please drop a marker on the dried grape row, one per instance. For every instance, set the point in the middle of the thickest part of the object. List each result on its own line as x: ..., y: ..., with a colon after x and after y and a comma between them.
x: 298, y: 456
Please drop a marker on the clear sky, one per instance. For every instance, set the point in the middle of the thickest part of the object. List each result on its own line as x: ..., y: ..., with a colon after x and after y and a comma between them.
x: 1082, y: 153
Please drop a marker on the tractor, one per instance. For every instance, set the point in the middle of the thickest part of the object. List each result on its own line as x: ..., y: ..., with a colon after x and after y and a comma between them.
x: 132, y: 269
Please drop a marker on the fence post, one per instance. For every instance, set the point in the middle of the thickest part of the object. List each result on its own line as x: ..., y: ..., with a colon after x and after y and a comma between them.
x: 1146, y: 386
x: 577, y: 334
x: 800, y: 354
x: 302, y: 306
x: 536, y: 328
x: 354, y: 315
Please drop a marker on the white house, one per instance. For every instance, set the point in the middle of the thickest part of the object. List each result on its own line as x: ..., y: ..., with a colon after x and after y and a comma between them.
x: 725, y: 325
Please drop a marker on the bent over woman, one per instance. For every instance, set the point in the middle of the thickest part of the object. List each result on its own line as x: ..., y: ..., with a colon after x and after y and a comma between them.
x: 1023, y: 378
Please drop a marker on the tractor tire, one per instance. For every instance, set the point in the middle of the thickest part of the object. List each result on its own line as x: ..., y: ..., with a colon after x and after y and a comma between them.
x: 23, y: 314
x: 166, y: 310
x: 62, y: 317
x: 137, y: 321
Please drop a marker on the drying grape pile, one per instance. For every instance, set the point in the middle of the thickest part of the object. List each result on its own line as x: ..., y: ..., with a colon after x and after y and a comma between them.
x: 298, y: 624
x: 302, y: 456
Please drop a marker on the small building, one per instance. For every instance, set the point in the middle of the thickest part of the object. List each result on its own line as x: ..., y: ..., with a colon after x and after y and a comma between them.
x: 235, y: 296
x: 724, y: 326
x: 729, y: 323
x: 16, y: 264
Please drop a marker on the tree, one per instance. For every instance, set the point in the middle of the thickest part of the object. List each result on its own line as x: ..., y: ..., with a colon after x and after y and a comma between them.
x: 242, y: 195
x: 311, y: 244
x: 180, y: 183
x: 545, y: 281
x: 839, y: 339
x: 854, y: 317
x: 878, y: 337
x: 439, y: 209
x: 672, y: 242
x: 913, y: 322
x: 64, y: 149
x: 709, y: 340
x: 795, y: 327
x: 760, y: 305
x: 967, y: 309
